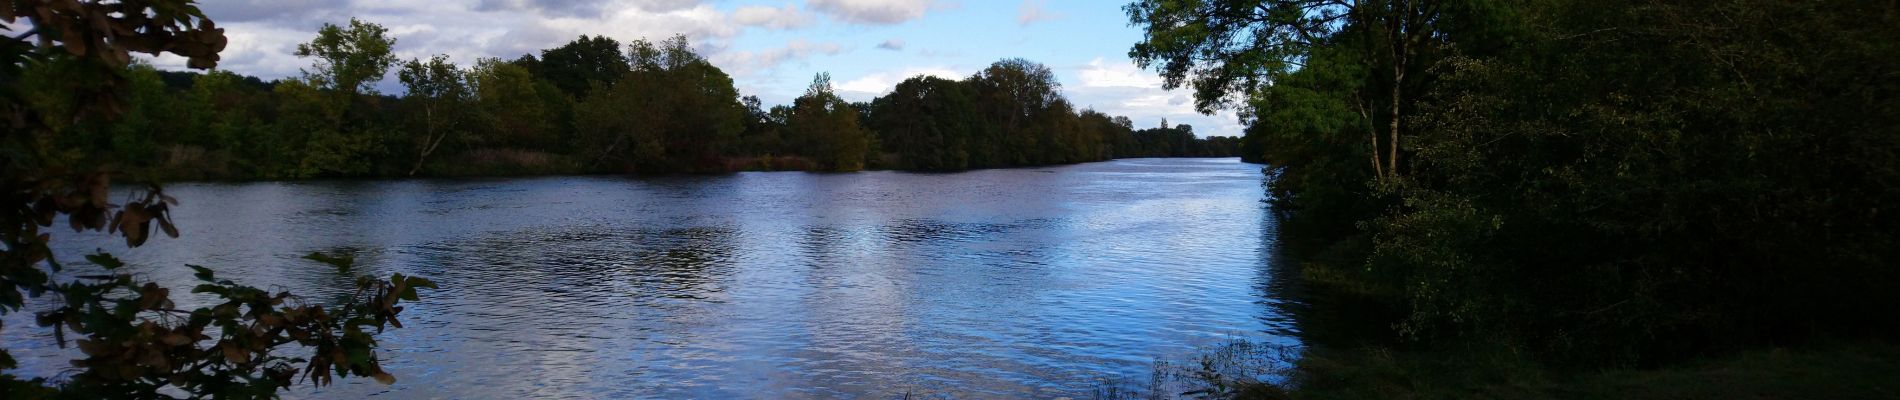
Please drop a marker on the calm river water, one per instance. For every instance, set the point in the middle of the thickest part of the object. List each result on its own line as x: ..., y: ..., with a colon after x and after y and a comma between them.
x: 1036, y: 282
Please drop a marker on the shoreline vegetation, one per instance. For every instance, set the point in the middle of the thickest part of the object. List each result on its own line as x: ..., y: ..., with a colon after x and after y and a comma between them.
x: 1247, y: 370
x: 592, y: 106
x: 1562, y: 198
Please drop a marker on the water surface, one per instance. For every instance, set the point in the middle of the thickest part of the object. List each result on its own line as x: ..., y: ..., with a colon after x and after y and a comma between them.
x: 1034, y: 282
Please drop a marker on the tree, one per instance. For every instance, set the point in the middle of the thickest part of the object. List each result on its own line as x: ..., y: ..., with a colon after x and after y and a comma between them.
x: 575, y: 66
x: 350, y: 60
x: 1016, y: 94
x: 229, y: 111
x: 517, y: 109
x: 671, y: 112
x: 927, y: 122
x: 440, y: 89
x: 1228, y: 50
x: 828, y: 127
x: 135, y: 343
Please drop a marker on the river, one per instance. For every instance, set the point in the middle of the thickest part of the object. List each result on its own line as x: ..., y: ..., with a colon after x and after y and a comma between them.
x: 1031, y: 282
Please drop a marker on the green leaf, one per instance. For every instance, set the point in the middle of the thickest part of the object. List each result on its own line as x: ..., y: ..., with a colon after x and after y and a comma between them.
x: 105, y: 260
x: 203, y: 274
x: 342, y: 262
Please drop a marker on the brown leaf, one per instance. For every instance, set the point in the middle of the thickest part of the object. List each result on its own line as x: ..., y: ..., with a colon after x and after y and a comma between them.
x: 135, y: 235
x: 136, y: 213
x: 165, y: 224
x: 101, y: 186
x: 75, y: 43
x: 154, y: 359
x: 234, y: 354
x: 92, y: 348
x: 153, y: 296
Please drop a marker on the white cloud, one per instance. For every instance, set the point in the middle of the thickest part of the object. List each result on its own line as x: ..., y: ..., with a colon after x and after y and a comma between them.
x: 263, y: 33
x: 228, y: 12
x: 1119, y: 88
x: 877, y: 84
x: 253, y: 49
x: 1101, y: 73
x: 580, y: 8
x: 892, y: 44
x: 748, y: 62
x: 787, y: 17
x: 699, y: 24
x: 877, y: 12
x: 1032, y: 11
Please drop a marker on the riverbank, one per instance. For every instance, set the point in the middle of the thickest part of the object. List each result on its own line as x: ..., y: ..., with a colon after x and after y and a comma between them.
x: 1245, y: 370
x: 1858, y: 370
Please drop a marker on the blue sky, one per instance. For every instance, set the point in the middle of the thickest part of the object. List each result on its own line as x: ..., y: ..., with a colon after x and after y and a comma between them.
x: 772, y: 48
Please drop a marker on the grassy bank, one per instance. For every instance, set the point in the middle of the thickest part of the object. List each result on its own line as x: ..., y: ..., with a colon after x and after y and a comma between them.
x: 1836, y: 371
x: 1241, y: 370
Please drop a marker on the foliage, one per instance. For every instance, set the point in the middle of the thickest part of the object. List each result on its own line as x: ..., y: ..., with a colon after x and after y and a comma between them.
x: 136, y: 343
x: 1602, y: 183
x: 578, y: 65
x: 516, y: 110
x: 351, y: 59
x: 673, y: 111
x: 588, y: 106
x: 827, y: 128
x: 928, y: 122
x: 440, y: 90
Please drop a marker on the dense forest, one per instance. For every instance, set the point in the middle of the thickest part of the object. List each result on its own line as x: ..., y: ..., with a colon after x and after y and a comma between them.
x: 593, y: 105
x: 1588, y: 184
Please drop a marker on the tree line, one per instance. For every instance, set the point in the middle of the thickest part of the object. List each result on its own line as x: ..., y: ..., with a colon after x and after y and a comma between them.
x: 1596, y: 183
x: 593, y: 105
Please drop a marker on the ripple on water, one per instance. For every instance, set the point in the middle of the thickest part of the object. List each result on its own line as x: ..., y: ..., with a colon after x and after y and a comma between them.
x: 993, y: 283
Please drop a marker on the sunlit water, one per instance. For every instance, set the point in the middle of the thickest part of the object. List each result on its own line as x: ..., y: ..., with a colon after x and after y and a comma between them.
x: 1038, y: 282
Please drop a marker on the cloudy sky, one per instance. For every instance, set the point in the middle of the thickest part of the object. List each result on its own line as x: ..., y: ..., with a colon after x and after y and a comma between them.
x: 771, y: 48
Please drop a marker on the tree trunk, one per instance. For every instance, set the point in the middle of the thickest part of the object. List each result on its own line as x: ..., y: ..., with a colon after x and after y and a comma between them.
x: 1396, y: 30
x: 1392, y: 155
x: 1378, y: 170
x: 429, y: 139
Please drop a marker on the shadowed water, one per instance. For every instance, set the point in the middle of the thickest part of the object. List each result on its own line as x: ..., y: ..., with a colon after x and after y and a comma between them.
x: 996, y: 283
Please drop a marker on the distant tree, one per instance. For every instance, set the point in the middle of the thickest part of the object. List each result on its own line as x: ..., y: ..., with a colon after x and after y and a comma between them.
x: 339, y: 136
x: 350, y: 60
x: 761, y: 133
x: 672, y: 112
x: 518, y: 110
x: 228, y: 110
x: 1014, y: 93
x: 440, y: 90
x: 576, y: 66
x: 828, y: 127
x: 928, y: 122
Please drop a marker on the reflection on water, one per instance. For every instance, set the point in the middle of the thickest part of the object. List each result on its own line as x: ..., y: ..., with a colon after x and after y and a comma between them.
x: 997, y: 283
